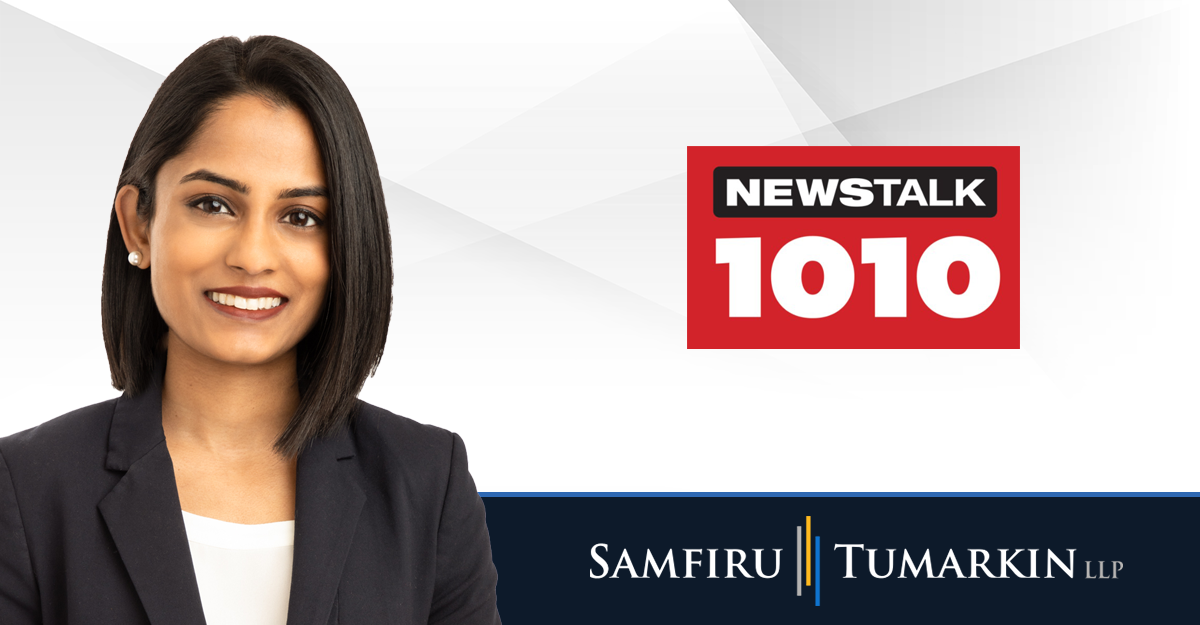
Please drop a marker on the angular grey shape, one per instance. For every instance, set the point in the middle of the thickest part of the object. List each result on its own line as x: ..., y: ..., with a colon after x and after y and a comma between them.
x: 621, y: 128
x: 422, y: 228
x: 826, y: 135
x: 637, y: 240
x: 857, y: 55
x: 504, y: 296
x: 804, y: 110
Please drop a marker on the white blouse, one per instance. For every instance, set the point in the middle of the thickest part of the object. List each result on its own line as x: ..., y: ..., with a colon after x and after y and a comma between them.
x: 244, y: 571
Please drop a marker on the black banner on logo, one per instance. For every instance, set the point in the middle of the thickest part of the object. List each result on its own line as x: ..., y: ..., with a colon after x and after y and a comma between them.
x: 854, y: 191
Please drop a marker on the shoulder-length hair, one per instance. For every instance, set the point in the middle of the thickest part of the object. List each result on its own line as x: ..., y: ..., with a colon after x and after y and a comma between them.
x: 346, y: 343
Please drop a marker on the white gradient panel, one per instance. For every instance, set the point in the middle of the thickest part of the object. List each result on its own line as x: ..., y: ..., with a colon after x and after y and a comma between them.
x: 534, y: 165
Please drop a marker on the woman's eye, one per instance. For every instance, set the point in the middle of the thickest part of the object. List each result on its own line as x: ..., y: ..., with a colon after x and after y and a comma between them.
x: 303, y: 219
x: 212, y: 206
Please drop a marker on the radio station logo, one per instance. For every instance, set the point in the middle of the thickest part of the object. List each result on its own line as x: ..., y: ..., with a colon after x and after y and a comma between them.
x: 854, y: 247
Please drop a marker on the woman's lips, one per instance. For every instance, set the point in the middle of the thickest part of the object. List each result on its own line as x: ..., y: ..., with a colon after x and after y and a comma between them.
x: 244, y: 313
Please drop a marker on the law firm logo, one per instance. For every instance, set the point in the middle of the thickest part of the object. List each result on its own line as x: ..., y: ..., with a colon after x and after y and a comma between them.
x: 854, y: 247
x: 858, y: 568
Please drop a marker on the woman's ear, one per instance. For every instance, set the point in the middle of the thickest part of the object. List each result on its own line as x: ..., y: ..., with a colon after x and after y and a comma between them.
x: 134, y: 229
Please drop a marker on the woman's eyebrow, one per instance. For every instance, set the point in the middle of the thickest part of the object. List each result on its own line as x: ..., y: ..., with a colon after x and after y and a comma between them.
x: 316, y: 191
x: 240, y: 187
x: 204, y: 174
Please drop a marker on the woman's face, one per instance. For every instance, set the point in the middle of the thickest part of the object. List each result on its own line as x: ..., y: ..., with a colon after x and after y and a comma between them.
x: 242, y: 216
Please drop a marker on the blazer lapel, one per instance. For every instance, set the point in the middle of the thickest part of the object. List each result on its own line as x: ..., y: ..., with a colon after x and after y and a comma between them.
x: 328, y: 502
x: 143, y: 513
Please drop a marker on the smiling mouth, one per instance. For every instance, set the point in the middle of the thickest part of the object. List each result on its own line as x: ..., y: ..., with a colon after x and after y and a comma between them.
x: 244, y: 303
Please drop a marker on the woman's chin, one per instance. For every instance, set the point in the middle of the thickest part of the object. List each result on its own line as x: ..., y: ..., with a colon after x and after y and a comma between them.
x: 250, y: 355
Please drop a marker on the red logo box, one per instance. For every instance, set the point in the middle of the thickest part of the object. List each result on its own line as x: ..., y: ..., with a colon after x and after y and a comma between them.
x: 854, y: 247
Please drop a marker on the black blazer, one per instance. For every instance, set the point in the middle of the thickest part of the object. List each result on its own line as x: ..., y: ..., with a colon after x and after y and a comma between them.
x: 389, y: 526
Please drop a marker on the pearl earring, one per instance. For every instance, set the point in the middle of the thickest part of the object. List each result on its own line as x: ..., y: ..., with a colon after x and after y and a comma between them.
x: 135, y: 258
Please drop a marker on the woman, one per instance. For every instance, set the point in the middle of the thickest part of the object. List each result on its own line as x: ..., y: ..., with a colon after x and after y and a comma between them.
x: 246, y: 297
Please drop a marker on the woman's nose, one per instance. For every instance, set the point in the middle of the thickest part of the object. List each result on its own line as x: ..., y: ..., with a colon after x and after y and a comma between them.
x: 253, y: 248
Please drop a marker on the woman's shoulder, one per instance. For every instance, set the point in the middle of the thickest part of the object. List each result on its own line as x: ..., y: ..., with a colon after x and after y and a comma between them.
x: 381, y: 430
x: 66, y: 437
x: 384, y: 435
x: 423, y: 466
x: 60, y: 460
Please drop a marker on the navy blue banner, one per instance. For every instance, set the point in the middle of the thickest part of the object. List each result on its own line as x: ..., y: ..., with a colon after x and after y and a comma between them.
x: 777, y: 559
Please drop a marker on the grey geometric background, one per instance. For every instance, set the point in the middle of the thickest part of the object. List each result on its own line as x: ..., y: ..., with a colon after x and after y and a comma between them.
x: 534, y: 159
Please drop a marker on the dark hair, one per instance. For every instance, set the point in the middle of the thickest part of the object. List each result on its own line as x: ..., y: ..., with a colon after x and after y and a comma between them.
x: 345, y: 345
